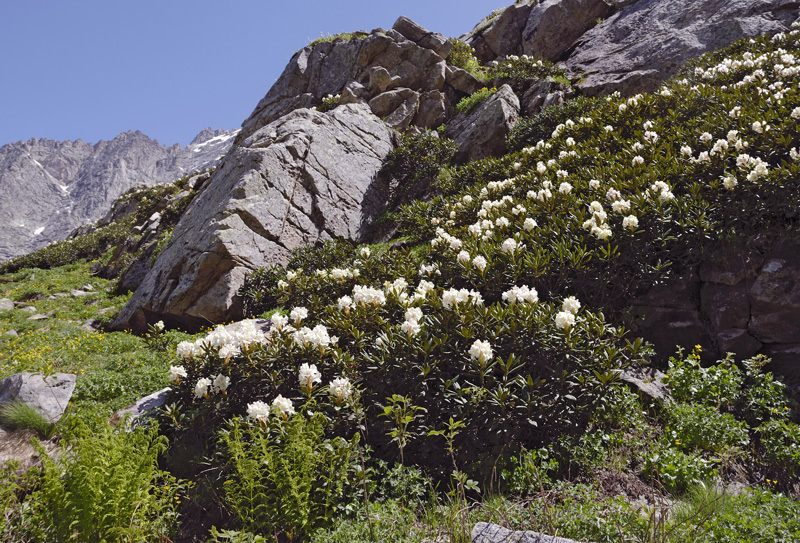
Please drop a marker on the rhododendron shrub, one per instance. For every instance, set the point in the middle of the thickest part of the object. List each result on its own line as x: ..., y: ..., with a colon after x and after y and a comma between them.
x: 507, y: 312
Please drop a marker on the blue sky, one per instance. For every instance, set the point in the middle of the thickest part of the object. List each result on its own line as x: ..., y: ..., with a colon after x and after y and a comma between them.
x: 90, y: 69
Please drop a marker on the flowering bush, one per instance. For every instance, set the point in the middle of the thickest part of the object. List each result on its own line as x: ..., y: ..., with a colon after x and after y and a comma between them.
x: 505, y: 314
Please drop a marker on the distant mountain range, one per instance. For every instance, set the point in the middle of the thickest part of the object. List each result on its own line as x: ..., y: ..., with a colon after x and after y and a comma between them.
x: 48, y: 187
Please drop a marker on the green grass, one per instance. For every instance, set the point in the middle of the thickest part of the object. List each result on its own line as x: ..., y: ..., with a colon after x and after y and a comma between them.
x: 113, y: 368
x: 21, y: 416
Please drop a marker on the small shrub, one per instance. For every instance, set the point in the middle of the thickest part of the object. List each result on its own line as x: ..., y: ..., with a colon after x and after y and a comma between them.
x: 718, y: 385
x: 285, y: 477
x: 106, y: 486
x: 704, y: 427
x: 468, y: 102
x: 677, y: 471
x: 329, y: 102
x: 418, y: 156
x: 781, y: 442
x: 462, y: 56
x: 522, y: 69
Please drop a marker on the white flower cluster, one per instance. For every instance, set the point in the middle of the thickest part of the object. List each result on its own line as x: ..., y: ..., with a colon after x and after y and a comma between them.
x: 452, y: 298
x: 481, y: 351
x: 661, y: 190
x: 308, y: 375
x: 565, y: 318
x: 597, y: 224
x: 364, y: 296
x: 521, y: 294
x: 317, y: 337
x: 205, y: 385
x: 411, y: 325
x: 340, y: 389
x: 758, y: 168
x: 227, y: 342
x: 176, y: 372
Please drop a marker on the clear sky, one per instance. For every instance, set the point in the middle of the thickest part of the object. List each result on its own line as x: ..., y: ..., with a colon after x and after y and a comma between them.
x: 90, y: 69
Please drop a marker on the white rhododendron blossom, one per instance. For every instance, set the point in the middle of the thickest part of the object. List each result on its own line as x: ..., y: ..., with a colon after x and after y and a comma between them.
x: 365, y: 252
x: 201, y: 387
x: 479, y: 262
x: 529, y: 224
x: 364, y: 296
x: 185, y: 350
x: 705, y: 137
x: 345, y: 303
x: 308, y: 375
x: 451, y: 298
x: 729, y: 182
x: 176, y: 372
x: 258, y: 411
x: 564, y: 188
x: 571, y: 304
x: 340, y: 389
x: 228, y: 351
x: 594, y: 184
x: 521, y: 294
x: 638, y: 160
x: 464, y: 257
x: 282, y: 406
x: 630, y: 222
x: 221, y: 383
x: 279, y: 321
x: 565, y: 320
x: 159, y: 326
x: 298, y: 314
x: 621, y: 206
x: 510, y: 246
x: 316, y: 337
x: 413, y: 314
x: 662, y: 191
x: 481, y: 351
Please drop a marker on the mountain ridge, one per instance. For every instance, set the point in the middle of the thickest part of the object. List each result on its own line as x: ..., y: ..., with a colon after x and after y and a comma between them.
x: 50, y: 187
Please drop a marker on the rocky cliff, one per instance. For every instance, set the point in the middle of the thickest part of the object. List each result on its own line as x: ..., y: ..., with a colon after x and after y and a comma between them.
x: 296, y: 176
x: 48, y: 188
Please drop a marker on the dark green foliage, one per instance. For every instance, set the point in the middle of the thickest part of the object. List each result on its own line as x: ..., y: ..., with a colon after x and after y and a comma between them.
x: 106, y: 486
x: 467, y: 103
x: 530, y: 130
x: 286, y: 477
x: 462, y: 56
x: 418, y: 156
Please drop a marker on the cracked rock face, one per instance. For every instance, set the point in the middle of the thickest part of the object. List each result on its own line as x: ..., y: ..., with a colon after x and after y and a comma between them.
x: 648, y: 41
x: 303, y: 178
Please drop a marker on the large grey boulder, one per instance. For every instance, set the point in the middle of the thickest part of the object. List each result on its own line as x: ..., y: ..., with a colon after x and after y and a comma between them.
x: 553, y: 26
x: 500, y: 35
x: 143, y: 407
x: 484, y: 532
x: 49, y: 395
x: 304, y: 178
x: 482, y: 131
x: 646, y: 42
x: 404, y: 57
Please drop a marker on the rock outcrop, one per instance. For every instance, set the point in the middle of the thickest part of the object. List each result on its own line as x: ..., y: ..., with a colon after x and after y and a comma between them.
x: 401, y: 73
x: 48, y: 188
x: 49, y: 395
x: 745, y: 301
x: 482, y: 131
x: 484, y: 532
x: 648, y: 41
x: 306, y: 177
x: 629, y: 46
